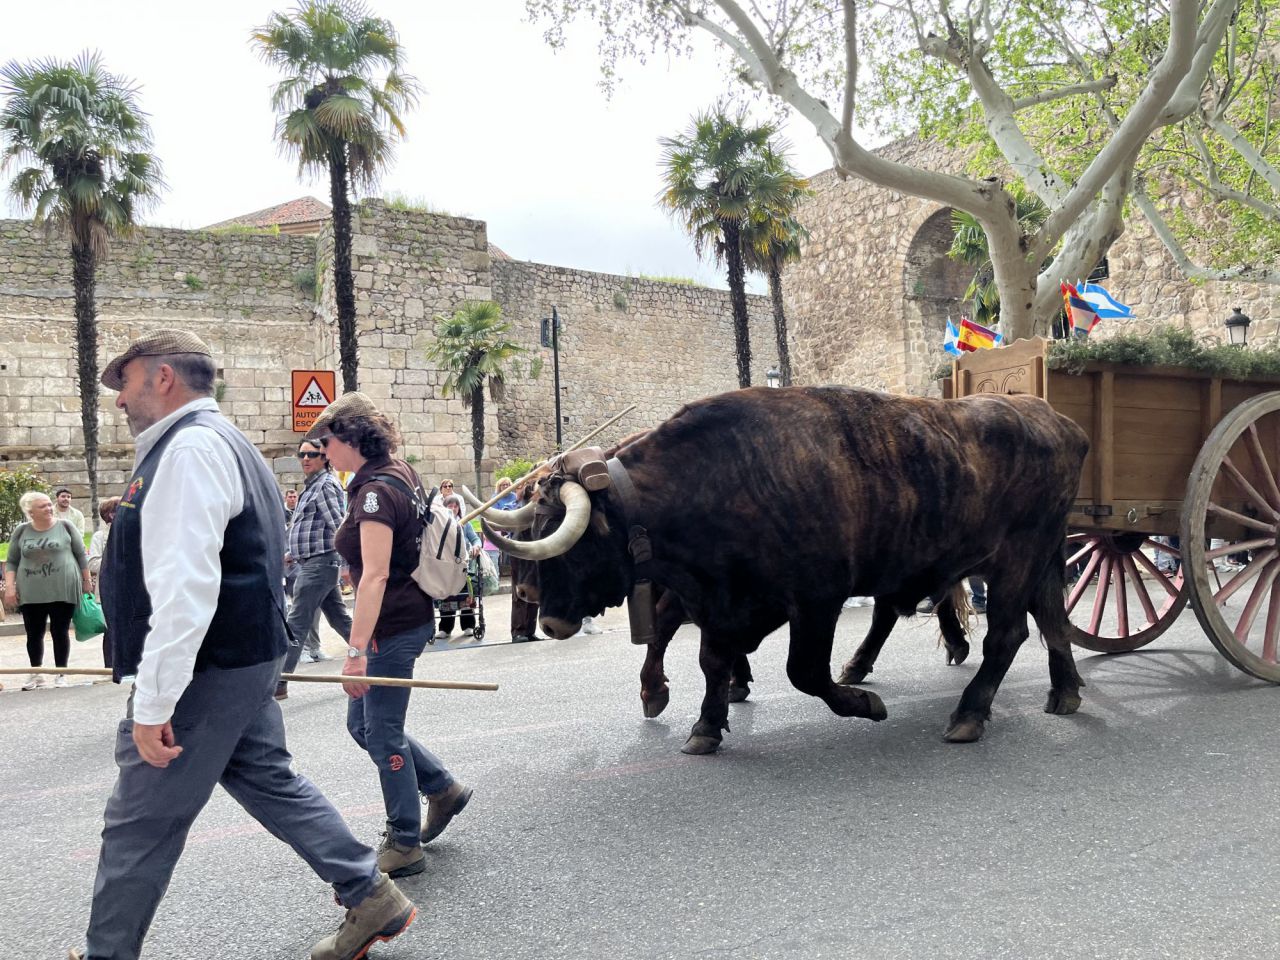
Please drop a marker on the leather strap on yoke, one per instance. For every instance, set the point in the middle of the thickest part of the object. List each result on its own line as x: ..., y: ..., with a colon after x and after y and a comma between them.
x: 641, y: 601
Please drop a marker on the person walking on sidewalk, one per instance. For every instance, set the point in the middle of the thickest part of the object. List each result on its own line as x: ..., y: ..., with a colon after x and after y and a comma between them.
x: 392, y: 624
x: 195, y: 613
x: 44, y: 574
x: 315, y: 588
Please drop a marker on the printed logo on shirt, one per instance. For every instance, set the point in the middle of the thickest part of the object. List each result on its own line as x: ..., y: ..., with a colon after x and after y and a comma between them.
x: 133, y: 490
x: 370, y: 502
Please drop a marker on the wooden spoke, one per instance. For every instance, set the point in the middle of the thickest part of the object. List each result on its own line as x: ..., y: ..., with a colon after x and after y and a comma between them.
x: 1100, y: 598
x: 1239, y: 547
x: 1151, y: 568
x: 1162, y: 547
x: 1082, y: 552
x: 1122, y: 599
x: 1272, y: 634
x: 1241, y: 519
x: 1250, y: 571
x: 1250, y: 613
x: 1078, y: 590
x: 1140, y: 588
x: 1258, y: 499
x: 1259, y: 459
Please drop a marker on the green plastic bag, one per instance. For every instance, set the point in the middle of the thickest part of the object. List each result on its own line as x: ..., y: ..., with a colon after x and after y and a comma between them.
x: 88, y: 618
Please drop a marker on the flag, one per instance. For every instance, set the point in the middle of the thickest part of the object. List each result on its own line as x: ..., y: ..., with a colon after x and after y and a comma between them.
x: 1079, y: 311
x: 1103, y: 303
x: 950, y: 343
x: 974, y: 336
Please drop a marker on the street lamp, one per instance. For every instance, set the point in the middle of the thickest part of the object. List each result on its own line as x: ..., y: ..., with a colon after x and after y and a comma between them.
x: 774, y: 377
x: 1238, y: 328
x: 551, y: 338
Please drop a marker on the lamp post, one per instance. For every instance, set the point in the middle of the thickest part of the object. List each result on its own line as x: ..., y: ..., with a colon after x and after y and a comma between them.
x: 774, y: 377
x: 1238, y: 328
x: 551, y: 338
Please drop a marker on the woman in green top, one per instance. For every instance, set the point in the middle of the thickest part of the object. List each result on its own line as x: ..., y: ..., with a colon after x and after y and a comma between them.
x: 44, y: 575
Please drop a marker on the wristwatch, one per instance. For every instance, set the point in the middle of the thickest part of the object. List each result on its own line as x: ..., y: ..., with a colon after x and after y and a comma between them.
x: 354, y: 653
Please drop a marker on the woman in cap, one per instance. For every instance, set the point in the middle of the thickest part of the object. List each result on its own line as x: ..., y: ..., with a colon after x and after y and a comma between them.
x: 392, y: 622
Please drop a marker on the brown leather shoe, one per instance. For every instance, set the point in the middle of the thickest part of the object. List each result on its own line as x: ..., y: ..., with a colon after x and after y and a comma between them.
x: 443, y: 807
x: 383, y: 915
x: 398, y: 861
x: 282, y: 690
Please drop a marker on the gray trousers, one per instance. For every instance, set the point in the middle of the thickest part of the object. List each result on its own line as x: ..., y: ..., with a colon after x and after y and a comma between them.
x: 231, y: 732
x: 315, y: 591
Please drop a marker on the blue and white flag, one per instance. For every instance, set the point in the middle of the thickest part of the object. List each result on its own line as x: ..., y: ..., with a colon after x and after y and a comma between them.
x: 951, y: 342
x: 1104, y: 304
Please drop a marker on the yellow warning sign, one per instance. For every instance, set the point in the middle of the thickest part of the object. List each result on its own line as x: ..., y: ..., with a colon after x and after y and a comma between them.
x: 313, y: 390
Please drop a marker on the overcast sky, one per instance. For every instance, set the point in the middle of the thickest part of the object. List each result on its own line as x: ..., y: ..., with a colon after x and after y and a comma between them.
x: 509, y: 131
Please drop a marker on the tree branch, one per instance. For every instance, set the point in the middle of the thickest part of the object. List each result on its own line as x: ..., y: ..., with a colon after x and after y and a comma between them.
x: 850, y: 64
x: 1247, y: 151
x: 1190, y: 269
x: 1048, y: 96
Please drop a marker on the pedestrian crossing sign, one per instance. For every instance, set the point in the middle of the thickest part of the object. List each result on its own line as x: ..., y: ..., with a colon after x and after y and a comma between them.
x: 313, y: 390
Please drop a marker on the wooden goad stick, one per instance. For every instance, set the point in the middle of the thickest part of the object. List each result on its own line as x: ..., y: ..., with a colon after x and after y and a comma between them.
x: 291, y: 677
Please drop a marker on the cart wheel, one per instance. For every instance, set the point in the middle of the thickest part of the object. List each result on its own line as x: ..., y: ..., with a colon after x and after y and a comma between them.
x: 1112, y: 608
x: 478, y: 633
x: 1220, y: 493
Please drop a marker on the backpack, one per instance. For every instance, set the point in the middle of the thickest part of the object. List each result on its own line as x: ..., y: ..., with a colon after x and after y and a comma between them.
x: 442, y: 547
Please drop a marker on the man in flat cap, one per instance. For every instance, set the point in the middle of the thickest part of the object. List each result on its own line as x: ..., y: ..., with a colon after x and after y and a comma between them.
x: 195, y: 608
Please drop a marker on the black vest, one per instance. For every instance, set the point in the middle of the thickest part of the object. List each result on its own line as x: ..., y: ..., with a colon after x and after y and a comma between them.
x: 248, y: 625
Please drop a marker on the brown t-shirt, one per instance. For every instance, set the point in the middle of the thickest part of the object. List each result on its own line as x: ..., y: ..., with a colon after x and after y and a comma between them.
x: 404, y: 606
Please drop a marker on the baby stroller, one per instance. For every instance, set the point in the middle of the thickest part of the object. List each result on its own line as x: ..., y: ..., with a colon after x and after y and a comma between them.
x: 467, y: 606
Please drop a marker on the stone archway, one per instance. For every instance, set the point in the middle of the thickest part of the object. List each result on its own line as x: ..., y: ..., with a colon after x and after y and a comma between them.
x: 933, y: 287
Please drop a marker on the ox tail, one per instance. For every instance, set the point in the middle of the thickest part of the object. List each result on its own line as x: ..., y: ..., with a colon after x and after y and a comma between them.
x: 1047, y: 604
x: 959, y: 593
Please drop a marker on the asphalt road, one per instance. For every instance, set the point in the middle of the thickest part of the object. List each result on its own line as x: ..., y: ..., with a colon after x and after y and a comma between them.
x: 1143, y: 827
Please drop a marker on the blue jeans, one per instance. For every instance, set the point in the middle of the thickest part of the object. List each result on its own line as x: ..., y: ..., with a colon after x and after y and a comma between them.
x: 376, y: 722
x: 231, y: 733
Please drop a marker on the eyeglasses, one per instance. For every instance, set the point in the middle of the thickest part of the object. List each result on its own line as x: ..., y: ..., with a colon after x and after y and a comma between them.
x: 309, y: 454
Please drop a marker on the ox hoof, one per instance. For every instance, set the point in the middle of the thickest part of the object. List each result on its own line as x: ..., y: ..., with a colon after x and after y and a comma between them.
x: 875, y: 707
x: 1062, y: 703
x: 738, y: 694
x: 655, y: 703
x: 699, y: 746
x: 964, y: 731
x: 853, y: 673
x: 958, y: 654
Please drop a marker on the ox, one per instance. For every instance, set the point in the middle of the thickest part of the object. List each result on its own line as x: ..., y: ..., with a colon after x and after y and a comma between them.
x: 743, y: 495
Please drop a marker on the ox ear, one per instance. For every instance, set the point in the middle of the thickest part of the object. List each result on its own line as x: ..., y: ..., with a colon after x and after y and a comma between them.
x: 599, y: 523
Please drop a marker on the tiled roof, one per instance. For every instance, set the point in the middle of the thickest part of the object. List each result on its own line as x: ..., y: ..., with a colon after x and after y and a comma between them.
x: 496, y: 254
x: 301, y: 210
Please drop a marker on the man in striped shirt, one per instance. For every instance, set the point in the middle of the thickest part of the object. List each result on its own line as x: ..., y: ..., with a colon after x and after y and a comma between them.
x: 315, y: 521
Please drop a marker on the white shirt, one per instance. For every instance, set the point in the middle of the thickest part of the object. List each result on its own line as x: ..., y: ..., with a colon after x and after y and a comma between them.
x: 195, y: 493
x: 71, y: 515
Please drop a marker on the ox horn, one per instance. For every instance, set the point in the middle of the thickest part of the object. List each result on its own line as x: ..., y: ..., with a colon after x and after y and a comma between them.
x: 577, y: 514
x: 521, y: 519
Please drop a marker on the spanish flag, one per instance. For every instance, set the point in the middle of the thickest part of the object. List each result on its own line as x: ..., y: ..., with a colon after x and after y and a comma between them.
x: 974, y: 336
x: 1080, y: 311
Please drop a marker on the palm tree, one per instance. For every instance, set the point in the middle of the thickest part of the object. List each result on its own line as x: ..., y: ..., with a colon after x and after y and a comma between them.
x: 338, y: 118
x: 716, y: 174
x: 474, y: 349
x: 771, y: 240
x: 82, y: 149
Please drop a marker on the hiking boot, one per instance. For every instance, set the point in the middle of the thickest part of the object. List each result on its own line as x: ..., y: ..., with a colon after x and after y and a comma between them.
x: 34, y: 681
x: 383, y: 915
x: 282, y: 690
x: 397, y: 860
x: 443, y: 807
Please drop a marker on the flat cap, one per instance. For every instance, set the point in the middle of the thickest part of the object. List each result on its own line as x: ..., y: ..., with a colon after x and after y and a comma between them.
x: 158, y: 343
x: 353, y: 404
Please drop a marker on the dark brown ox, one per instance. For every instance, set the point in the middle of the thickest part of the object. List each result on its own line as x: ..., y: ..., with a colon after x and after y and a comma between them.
x: 745, y: 494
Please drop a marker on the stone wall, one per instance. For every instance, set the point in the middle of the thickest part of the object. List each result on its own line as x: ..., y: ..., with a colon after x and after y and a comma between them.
x: 869, y: 298
x: 622, y: 341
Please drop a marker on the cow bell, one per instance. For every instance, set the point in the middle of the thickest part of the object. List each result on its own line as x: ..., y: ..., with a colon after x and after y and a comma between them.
x: 642, y: 612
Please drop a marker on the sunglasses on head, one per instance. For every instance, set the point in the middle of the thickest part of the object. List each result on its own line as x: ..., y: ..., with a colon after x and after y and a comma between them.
x: 309, y: 454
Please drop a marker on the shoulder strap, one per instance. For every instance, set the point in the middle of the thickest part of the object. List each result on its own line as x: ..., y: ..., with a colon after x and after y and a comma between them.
x: 408, y: 491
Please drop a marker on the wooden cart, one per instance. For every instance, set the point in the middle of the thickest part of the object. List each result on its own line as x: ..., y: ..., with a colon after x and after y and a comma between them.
x: 1173, y: 452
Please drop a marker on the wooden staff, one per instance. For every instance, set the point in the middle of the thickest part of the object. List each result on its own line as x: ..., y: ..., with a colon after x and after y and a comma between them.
x: 515, y: 485
x: 291, y: 677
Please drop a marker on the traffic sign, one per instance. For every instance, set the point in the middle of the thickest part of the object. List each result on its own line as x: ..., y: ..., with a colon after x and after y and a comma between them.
x: 313, y: 390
